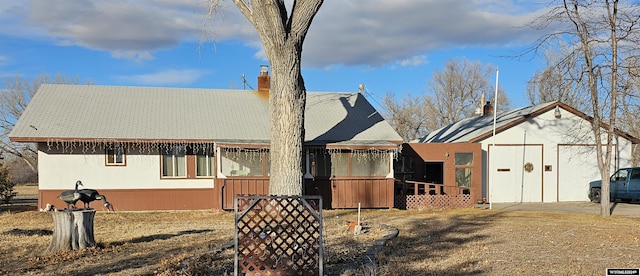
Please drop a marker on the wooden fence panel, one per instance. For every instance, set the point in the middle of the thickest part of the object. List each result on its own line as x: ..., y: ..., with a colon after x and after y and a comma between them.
x: 244, y: 187
x: 370, y: 193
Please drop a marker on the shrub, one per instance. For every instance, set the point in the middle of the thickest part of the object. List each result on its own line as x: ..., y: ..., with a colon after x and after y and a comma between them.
x: 6, y: 185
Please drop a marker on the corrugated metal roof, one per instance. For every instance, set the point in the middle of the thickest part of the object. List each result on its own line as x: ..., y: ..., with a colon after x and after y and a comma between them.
x: 469, y: 129
x: 91, y: 112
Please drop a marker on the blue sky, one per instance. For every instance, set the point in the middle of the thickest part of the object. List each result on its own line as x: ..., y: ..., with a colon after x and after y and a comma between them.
x: 390, y: 46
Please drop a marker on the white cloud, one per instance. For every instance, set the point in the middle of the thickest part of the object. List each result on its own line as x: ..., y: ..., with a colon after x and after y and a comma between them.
x: 414, y: 61
x: 166, y: 77
x: 385, y: 31
x: 127, y: 29
x: 346, y: 32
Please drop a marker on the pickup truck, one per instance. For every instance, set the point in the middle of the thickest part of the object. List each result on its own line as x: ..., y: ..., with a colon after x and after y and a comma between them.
x: 625, y: 186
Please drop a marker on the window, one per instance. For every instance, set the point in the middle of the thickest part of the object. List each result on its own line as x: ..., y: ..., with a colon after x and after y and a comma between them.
x: 340, y: 164
x: 464, y: 159
x: 464, y: 167
x: 204, y: 163
x: 360, y: 163
x: 174, y: 163
x: 243, y: 162
x: 115, y: 156
x: 620, y: 175
x: 369, y: 164
x: 463, y: 177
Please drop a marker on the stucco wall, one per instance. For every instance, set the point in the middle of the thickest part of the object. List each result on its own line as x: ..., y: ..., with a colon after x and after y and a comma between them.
x: 445, y: 153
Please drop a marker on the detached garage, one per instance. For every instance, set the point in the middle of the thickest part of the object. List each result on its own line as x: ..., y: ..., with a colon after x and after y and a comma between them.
x: 541, y: 153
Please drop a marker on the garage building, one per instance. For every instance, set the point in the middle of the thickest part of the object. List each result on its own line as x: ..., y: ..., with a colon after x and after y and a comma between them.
x: 540, y: 153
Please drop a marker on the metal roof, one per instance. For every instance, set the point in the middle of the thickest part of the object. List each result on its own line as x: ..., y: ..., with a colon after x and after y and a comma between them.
x: 474, y: 128
x: 65, y: 112
x: 478, y: 128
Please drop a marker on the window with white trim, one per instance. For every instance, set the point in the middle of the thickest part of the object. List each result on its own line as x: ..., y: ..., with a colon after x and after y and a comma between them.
x: 115, y: 156
x: 174, y: 163
x: 204, y: 163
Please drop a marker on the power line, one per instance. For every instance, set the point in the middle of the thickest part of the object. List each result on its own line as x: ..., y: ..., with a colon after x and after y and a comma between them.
x: 371, y: 96
x: 245, y: 83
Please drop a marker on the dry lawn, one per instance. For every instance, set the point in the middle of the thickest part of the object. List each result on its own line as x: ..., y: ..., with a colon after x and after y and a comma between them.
x: 441, y: 242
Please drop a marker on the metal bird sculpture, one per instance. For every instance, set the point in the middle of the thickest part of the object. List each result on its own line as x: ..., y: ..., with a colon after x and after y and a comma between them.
x: 89, y: 195
x: 71, y: 196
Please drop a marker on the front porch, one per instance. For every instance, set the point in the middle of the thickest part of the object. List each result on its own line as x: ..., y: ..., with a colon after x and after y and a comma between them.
x: 338, y: 193
x: 412, y: 195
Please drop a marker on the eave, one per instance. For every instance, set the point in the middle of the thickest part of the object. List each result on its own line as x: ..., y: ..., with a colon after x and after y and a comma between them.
x: 568, y: 108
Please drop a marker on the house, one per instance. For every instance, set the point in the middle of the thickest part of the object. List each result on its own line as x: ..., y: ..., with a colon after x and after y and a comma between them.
x: 158, y: 148
x: 540, y: 153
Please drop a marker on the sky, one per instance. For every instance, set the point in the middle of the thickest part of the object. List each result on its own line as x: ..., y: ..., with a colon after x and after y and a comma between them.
x: 390, y: 46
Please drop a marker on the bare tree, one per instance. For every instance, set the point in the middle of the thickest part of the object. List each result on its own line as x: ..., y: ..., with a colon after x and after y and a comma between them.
x: 456, y: 92
x: 600, y: 34
x: 282, y: 33
x: 406, y: 115
x: 561, y: 80
x: 14, y: 98
x: 630, y: 102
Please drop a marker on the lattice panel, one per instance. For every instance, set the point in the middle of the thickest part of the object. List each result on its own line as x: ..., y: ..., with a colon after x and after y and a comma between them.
x: 400, y: 202
x: 437, y: 201
x: 278, y: 235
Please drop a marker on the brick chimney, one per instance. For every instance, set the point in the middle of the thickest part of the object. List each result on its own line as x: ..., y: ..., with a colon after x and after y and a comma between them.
x: 487, y: 109
x: 264, y: 81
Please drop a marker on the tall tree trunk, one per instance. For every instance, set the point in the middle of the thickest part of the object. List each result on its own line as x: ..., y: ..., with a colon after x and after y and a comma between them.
x: 286, y: 116
x: 282, y: 34
x: 612, y: 12
x: 593, y: 76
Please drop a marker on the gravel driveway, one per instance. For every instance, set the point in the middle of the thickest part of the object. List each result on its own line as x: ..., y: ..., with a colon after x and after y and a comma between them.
x: 618, y: 208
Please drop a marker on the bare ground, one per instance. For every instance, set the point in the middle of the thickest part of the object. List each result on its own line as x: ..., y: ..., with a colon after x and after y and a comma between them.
x: 431, y: 242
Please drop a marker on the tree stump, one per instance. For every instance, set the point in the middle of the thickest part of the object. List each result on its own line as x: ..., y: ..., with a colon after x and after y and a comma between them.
x: 72, y: 229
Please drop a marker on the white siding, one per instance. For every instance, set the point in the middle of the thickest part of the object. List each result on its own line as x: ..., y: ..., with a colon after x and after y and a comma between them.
x: 578, y: 167
x: 512, y: 182
x: 554, y: 135
x: 58, y: 170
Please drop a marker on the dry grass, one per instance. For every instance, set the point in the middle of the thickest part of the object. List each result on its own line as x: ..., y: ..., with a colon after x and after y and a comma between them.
x: 483, y: 242
x: 446, y: 242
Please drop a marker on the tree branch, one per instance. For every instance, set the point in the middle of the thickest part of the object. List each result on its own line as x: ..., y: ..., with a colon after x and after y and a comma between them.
x: 244, y: 8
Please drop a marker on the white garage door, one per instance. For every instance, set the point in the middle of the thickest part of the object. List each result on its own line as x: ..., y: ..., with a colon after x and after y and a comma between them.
x: 577, y: 166
x: 516, y: 173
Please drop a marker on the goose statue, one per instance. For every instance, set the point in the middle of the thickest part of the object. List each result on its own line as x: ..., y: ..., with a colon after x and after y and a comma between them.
x: 71, y: 196
x: 89, y: 195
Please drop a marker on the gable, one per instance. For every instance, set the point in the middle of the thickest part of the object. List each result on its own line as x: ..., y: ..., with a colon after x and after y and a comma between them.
x: 480, y: 128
